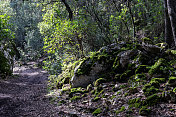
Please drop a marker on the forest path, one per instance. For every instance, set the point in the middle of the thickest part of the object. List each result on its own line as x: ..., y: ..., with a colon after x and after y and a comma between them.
x: 24, y: 95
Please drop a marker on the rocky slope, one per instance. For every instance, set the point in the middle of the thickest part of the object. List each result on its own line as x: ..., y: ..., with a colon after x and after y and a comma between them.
x: 120, y: 80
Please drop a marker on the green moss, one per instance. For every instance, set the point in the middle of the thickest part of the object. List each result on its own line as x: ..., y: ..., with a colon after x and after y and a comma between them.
x: 121, y: 110
x: 173, y: 52
x: 144, y: 111
x: 66, y: 75
x: 147, y: 40
x: 150, y: 90
x: 160, y: 67
x: 162, y: 45
x: 97, y: 93
x: 116, y: 64
x: 96, y: 99
x: 93, y: 91
x: 135, y: 100
x: 139, y: 77
x: 132, y: 90
x: 101, y: 57
x: 141, y: 59
x: 137, y: 105
x: 118, y: 92
x: 126, y: 94
x: 75, y: 98
x: 89, y: 87
x: 160, y: 80
x: 117, y: 77
x: 134, y: 103
x: 172, y: 110
x: 77, y: 90
x: 152, y: 100
x: 141, y: 69
x: 97, y: 111
x: 61, y: 102
x: 85, y: 67
x: 172, y: 81
x: 123, y: 86
x: 112, y: 97
x: 99, y: 81
x: 125, y: 76
x: 156, y: 84
x: 65, y: 89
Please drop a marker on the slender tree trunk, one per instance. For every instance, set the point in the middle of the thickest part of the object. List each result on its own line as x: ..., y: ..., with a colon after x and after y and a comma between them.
x: 168, y: 29
x: 132, y: 19
x: 68, y: 9
x: 171, y: 7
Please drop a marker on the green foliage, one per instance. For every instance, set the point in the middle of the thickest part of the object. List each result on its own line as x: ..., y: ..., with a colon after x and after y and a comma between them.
x: 7, y: 52
x: 5, y: 68
x: 25, y: 17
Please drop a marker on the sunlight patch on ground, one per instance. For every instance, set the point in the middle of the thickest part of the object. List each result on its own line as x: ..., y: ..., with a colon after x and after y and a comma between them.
x: 4, y: 95
x: 32, y: 74
x: 55, y: 92
x: 19, y: 84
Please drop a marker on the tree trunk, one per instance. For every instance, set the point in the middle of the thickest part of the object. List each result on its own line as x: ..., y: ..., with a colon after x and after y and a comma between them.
x: 171, y: 7
x: 68, y: 9
x: 168, y: 29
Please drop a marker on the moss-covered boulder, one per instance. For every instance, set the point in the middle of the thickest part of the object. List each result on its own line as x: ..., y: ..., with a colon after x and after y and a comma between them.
x: 160, y: 67
x: 125, y: 57
x: 87, y: 72
x: 64, y: 77
x: 92, y: 67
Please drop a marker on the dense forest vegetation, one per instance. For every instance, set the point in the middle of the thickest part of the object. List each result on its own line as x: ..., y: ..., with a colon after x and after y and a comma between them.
x: 98, y: 50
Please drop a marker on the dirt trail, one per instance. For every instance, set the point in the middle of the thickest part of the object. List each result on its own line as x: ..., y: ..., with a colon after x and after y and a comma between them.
x: 25, y: 96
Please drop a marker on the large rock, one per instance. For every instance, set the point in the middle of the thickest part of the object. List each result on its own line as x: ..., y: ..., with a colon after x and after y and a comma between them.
x: 113, y: 58
x: 83, y: 79
x: 92, y: 67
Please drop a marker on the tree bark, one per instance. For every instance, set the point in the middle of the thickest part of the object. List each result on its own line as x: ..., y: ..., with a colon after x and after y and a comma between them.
x: 68, y: 9
x: 168, y: 29
x: 170, y: 22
